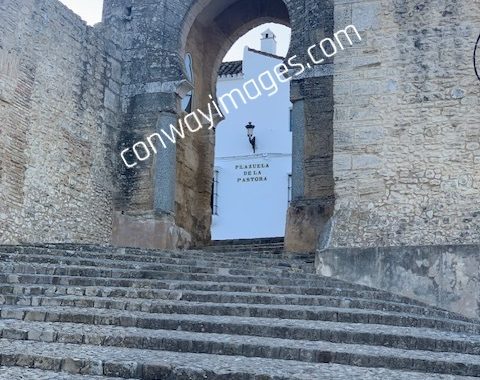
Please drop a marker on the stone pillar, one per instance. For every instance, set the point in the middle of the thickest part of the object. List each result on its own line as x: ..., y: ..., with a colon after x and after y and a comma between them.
x: 146, y: 218
x: 298, y: 149
x: 308, y: 217
x: 165, y: 170
x: 304, y: 217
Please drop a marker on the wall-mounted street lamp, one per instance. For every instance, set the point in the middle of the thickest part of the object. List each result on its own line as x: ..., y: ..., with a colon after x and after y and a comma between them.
x: 250, y: 127
x: 475, y: 58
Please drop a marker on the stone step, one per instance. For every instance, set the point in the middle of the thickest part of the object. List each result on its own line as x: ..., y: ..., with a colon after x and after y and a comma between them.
x: 154, y: 364
x: 334, y: 299
x: 132, y: 313
x: 229, y: 242
x: 21, y: 267
x: 186, y: 262
x: 291, y: 273
x: 84, y: 271
x: 29, y: 305
x: 408, y: 338
x: 245, y: 243
x: 29, y: 296
x: 76, y: 270
x: 276, y: 248
x: 19, y: 373
x: 249, y: 346
x: 153, y: 285
x: 87, y: 271
x: 192, y: 258
x: 119, y: 252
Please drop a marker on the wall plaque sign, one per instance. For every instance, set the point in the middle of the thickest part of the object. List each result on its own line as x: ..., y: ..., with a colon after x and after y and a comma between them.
x: 251, y: 173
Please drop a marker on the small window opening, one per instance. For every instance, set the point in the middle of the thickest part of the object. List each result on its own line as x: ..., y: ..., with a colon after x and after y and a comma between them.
x: 290, y: 183
x: 214, y: 200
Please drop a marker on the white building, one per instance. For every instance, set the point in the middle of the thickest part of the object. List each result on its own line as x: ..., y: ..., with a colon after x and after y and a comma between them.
x: 252, y: 190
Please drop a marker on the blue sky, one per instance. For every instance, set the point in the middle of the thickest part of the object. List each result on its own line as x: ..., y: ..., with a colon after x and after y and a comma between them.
x: 91, y: 12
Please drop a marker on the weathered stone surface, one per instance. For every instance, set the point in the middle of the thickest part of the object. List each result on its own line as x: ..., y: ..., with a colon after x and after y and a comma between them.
x: 446, y: 276
x: 385, y: 135
x: 142, y: 314
x: 409, y: 97
x: 15, y: 373
x: 56, y: 175
x: 149, y: 231
x: 305, y: 222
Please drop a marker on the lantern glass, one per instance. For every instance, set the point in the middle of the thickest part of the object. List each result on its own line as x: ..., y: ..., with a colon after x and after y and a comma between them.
x: 250, y: 127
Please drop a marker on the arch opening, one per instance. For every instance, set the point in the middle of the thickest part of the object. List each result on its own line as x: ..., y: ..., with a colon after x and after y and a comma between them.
x: 253, y: 147
x: 209, y: 31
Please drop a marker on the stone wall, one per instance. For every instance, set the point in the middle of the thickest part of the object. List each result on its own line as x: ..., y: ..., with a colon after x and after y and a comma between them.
x: 152, y: 76
x: 194, y: 184
x: 195, y: 153
x: 386, y: 138
x: 407, y: 142
x: 57, y: 86
x: 406, y: 153
x: 154, y: 37
x: 445, y: 276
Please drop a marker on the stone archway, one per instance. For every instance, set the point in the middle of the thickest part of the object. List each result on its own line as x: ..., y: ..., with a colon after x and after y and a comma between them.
x: 172, y: 197
x: 215, y: 28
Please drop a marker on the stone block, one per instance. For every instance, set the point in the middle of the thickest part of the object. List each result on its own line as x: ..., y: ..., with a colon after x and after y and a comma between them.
x: 123, y: 369
x: 366, y: 161
x: 365, y: 15
x: 444, y: 276
x: 305, y: 223
x: 149, y: 232
x: 73, y: 366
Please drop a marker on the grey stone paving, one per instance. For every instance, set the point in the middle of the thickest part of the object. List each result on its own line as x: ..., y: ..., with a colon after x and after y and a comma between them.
x: 198, y: 366
x: 226, y: 276
x: 18, y: 373
x: 173, y: 315
x: 219, y: 343
x: 149, y: 285
x: 333, y: 300
x: 421, y: 338
x: 167, y: 258
x: 246, y: 305
x: 199, y: 265
x: 335, y: 314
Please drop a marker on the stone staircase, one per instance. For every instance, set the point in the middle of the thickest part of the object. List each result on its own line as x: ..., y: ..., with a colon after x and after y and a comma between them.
x: 264, y: 245
x: 85, y: 312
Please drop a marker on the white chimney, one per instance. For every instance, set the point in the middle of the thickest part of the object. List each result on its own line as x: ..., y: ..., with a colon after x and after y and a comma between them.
x: 269, y: 42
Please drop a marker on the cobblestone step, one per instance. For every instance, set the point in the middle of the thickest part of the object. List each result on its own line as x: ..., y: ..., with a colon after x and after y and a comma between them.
x: 237, y: 310
x: 192, y: 259
x: 100, y: 311
x: 333, y: 300
x: 218, y: 303
x: 254, y: 277
x: 154, y: 365
x: 19, y: 260
x: 234, y: 242
x: 50, y: 258
x: 150, y: 288
x: 267, y: 248
x: 408, y: 338
x: 291, y: 272
x: 119, y: 252
x: 19, y: 373
x: 39, y: 285
x: 85, y: 271
x: 248, y: 346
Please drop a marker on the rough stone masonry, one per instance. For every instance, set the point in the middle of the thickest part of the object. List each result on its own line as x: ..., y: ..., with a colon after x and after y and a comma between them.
x: 386, y: 138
